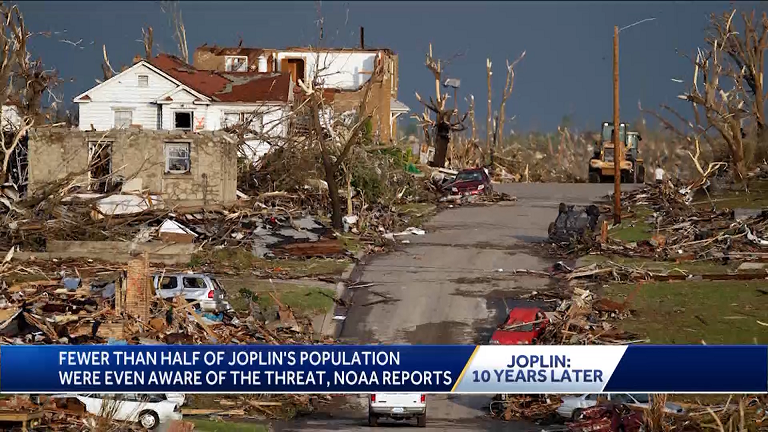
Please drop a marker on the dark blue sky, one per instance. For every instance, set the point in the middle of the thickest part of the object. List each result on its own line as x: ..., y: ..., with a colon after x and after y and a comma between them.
x: 567, y: 69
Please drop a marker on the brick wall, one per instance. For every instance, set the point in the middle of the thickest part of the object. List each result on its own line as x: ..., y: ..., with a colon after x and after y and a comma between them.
x: 215, y: 59
x: 378, y: 101
x: 137, y: 292
x: 56, y: 152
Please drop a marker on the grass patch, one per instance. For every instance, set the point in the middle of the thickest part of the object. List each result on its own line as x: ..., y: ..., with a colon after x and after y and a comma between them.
x: 350, y: 243
x: 303, y: 299
x: 687, y: 312
x: 635, y: 228
x: 206, y: 425
x: 690, y: 267
x: 306, y: 300
x: 242, y: 260
x: 756, y: 198
x: 415, y: 214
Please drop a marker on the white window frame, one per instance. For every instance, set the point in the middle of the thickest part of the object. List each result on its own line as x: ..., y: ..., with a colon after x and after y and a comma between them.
x: 144, y: 78
x: 191, y: 120
x: 256, y: 124
x: 225, y: 122
x: 229, y: 62
x: 171, y: 145
x: 114, y: 117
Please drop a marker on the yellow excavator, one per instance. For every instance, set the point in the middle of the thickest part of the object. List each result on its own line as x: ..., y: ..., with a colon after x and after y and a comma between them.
x: 601, y: 164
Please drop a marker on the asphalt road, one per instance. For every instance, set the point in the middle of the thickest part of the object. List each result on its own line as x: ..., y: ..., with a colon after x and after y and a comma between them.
x: 453, y: 285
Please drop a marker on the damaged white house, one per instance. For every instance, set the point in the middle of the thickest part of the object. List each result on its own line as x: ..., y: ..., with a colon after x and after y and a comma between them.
x: 165, y: 93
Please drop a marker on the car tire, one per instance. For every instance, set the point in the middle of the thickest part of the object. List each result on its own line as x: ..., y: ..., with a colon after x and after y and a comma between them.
x: 149, y: 420
x: 373, y: 420
x: 575, y: 414
x: 421, y: 420
x: 594, y: 177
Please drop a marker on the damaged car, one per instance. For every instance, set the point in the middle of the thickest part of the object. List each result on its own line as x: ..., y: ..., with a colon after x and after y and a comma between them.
x: 572, y: 406
x: 523, y: 326
x: 474, y: 181
x: 571, y: 224
x: 203, y: 289
x: 608, y: 418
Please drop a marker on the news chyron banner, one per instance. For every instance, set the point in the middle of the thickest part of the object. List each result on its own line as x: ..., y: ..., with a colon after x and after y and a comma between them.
x: 381, y: 368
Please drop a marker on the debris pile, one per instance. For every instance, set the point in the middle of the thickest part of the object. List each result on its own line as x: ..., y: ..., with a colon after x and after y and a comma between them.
x: 35, y: 221
x: 680, y: 231
x: 583, y: 319
x: 538, y: 408
x: 90, y: 311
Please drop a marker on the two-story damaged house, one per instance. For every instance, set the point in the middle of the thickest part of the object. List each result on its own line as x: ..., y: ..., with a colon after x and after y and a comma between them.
x: 165, y: 93
x: 343, y: 72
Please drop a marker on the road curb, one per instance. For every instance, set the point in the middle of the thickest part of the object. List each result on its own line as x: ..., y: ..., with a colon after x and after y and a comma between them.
x: 331, y: 327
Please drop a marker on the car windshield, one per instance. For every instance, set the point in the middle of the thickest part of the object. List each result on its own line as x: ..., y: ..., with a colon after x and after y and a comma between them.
x: 641, y: 398
x: 518, y: 326
x: 469, y: 176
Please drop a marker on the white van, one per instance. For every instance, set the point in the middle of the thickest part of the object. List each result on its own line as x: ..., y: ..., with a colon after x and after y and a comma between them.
x: 397, y: 406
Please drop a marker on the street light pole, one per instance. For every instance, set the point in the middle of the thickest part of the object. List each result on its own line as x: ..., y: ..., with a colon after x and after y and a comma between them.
x: 617, y: 149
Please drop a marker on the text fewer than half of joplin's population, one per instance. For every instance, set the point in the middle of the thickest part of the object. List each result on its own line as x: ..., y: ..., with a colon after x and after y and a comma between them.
x: 234, y: 358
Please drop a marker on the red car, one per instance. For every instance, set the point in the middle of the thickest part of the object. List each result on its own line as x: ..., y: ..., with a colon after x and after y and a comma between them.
x: 470, y: 182
x: 608, y: 418
x: 523, y: 326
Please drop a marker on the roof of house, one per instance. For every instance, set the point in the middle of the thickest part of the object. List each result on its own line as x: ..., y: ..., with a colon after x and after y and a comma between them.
x: 397, y: 106
x: 234, y: 51
x: 205, y: 82
x: 241, y: 87
x: 255, y: 86
x: 249, y: 51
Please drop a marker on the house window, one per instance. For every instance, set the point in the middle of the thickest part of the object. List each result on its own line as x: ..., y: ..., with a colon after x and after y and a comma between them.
x: 123, y: 119
x: 231, y: 119
x: 236, y: 64
x: 177, y: 159
x: 143, y: 80
x: 99, y: 165
x: 234, y: 119
x: 255, y: 122
x: 182, y: 120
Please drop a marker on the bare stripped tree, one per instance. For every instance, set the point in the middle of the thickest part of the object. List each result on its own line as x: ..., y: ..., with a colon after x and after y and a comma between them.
x: 746, y: 49
x: 106, y: 67
x: 509, y: 84
x: 446, y: 120
x: 148, y: 40
x: 173, y: 9
x: 334, y: 150
x: 723, y: 109
x: 23, y: 82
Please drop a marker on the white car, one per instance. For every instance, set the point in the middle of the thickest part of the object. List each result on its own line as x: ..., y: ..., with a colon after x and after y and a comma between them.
x: 194, y: 287
x: 149, y: 411
x: 573, y: 405
x: 397, y: 406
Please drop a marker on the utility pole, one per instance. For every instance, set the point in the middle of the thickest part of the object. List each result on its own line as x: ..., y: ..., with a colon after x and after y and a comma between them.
x: 617, y: 149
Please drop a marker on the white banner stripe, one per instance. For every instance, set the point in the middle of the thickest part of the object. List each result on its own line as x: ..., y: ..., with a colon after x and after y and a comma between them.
x: 540, y: 369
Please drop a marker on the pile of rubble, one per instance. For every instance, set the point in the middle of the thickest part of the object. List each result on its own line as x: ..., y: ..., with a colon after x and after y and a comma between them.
x: 91, y: 306
x: 78, y: 311
x: 584, y: 319
x: 538, y: 408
